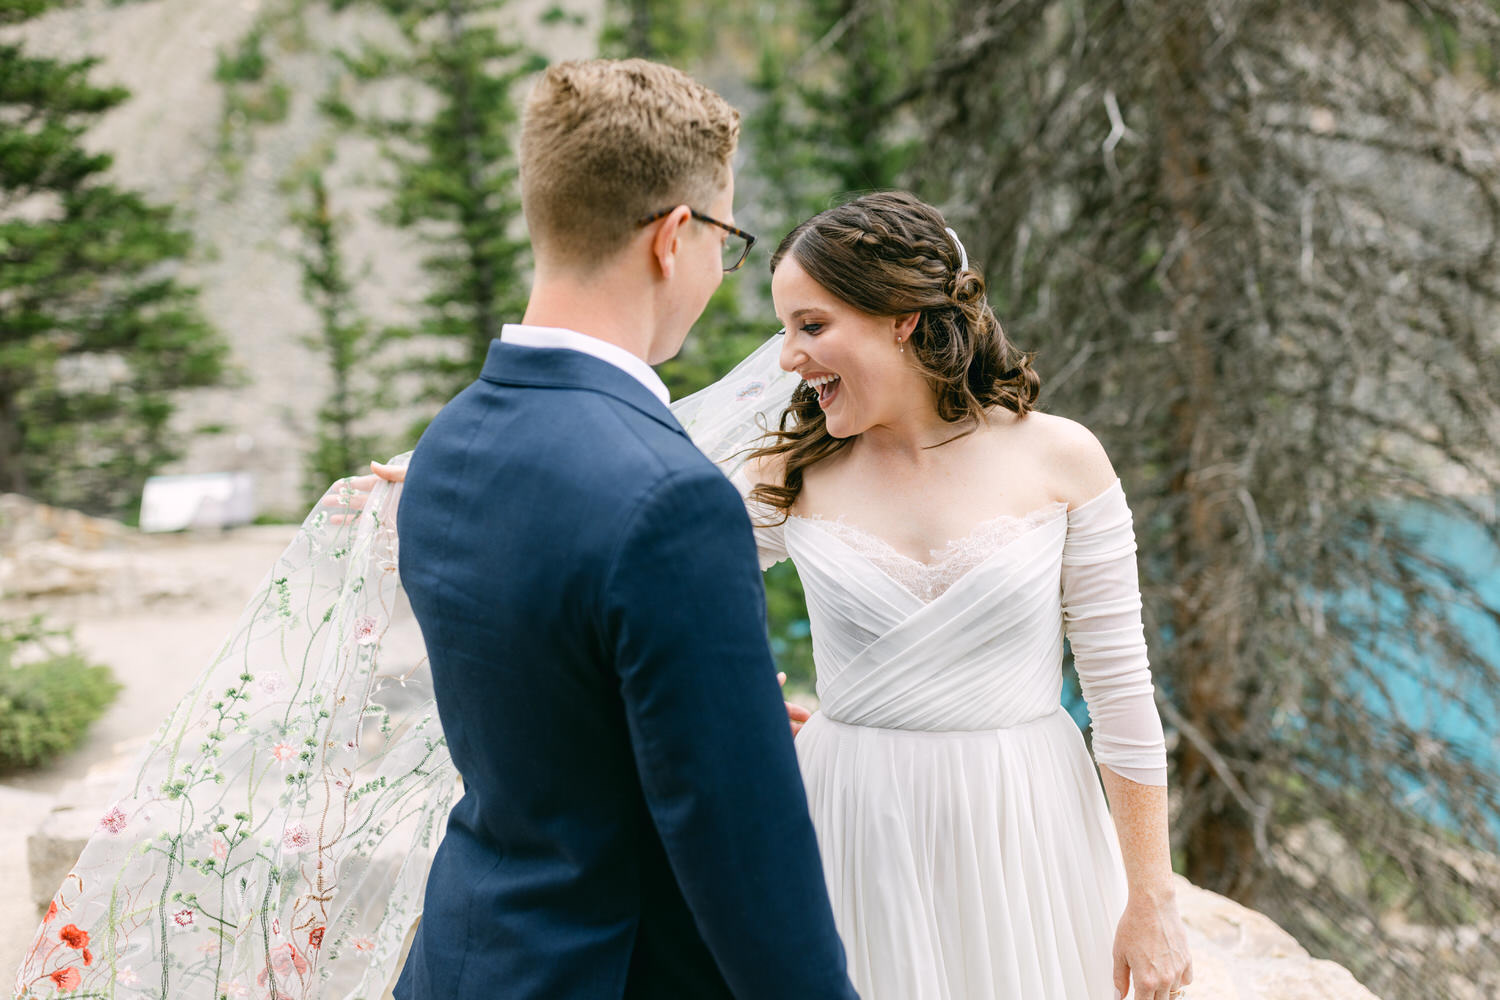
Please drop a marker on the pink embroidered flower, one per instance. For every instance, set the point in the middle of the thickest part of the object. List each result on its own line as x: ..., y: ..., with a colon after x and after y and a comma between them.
x: 210, y: 946
x: 183, y: 919
x: 74, y: 936
x: 296, y: 838
x: 284, y: 752
x: 364, y: 630
x: 113, y: 821
x: 275, y: 925
x: 271, y: 683
x: 229, y: 988
x: 315, y: 937
x: 284, y: 960
x: 67, y: 979
x: 363, y: 944
x: 126, y: 976
x: 51, y: 913
x: 221, y: 849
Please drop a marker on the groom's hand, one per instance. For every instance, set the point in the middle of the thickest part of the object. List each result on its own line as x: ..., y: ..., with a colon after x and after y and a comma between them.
x: 796, y: 714
x: 349, y: 495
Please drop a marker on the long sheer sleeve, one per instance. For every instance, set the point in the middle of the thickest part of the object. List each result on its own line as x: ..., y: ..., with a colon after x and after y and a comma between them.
x: 1101, y: 602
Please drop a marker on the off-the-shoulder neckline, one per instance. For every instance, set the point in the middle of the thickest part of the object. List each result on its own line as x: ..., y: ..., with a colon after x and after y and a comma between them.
x: 1113, y: 487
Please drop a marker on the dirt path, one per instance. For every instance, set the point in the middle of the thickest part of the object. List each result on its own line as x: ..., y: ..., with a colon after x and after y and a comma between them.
x: 169, y: 603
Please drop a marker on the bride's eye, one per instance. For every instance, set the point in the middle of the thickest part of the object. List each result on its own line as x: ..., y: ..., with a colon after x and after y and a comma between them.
x: 811, y: 327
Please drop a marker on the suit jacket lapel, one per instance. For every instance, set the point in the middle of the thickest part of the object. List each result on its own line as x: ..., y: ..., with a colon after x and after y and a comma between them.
x: 549, y: 368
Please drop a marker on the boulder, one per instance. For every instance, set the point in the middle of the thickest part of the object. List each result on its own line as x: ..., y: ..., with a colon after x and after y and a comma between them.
x: 59, y: 838
x: 1239, y: 954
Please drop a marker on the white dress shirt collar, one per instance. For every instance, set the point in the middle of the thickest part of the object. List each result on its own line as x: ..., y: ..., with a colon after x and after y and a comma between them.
x: 555, y: 337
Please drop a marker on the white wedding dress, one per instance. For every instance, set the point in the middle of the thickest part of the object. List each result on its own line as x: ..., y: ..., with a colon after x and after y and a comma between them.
x: 965, y: 836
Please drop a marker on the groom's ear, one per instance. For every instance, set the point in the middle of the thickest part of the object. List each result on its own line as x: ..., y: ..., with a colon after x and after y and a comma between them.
x: 666, y: 239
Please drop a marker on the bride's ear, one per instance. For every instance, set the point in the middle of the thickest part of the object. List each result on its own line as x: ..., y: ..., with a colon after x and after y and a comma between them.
x: 906, y: 324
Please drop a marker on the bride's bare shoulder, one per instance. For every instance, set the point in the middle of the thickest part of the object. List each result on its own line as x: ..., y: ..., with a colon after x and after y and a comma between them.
x: 1078, y: 468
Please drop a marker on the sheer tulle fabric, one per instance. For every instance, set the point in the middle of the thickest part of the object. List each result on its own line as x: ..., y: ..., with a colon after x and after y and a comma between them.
x: 275, y: 836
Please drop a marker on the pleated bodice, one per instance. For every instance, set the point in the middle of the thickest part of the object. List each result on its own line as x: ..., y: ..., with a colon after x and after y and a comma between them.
x: 985, y: 653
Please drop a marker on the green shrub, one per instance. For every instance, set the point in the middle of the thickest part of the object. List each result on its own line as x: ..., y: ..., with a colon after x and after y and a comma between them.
x: 49, y: 694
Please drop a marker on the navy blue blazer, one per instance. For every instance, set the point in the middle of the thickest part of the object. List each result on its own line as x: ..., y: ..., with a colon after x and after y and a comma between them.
x: 633, y: 821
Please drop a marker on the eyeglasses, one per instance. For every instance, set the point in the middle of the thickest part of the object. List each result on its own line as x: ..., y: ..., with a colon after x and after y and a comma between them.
x: 734, y: 252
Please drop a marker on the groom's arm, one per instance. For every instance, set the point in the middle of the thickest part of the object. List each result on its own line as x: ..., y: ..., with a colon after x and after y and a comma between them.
x: 685, y: 616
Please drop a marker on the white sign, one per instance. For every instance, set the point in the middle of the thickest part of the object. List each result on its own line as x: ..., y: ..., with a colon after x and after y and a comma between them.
x: 207, y: 500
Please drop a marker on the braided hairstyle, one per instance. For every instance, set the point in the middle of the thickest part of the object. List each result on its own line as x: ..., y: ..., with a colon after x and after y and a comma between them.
x: 889, y: 254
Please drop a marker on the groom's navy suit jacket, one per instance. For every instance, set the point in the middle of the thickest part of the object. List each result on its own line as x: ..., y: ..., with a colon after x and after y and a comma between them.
x: 633, y: 821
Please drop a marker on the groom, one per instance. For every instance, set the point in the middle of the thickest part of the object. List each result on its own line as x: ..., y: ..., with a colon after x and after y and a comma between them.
x: 633, y: 822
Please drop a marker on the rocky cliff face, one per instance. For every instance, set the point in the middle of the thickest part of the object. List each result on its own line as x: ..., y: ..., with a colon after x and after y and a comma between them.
x: 225, y: 174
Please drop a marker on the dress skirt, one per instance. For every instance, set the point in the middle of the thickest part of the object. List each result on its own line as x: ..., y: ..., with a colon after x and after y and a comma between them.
x: 967, y: 865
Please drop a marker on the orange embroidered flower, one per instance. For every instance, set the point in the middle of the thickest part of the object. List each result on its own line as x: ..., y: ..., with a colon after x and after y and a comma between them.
x: 74, y: 936
x: 315, y: 937
x: 67, y: 979
x: 88, y: 957
x: 51, y: 913
x: 284, y: 959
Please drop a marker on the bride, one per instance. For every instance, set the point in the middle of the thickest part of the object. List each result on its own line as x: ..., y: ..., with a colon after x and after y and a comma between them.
x: 948, y: 537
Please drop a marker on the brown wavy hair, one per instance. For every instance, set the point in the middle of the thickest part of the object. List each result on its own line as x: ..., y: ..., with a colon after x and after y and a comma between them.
x: 888, y: 254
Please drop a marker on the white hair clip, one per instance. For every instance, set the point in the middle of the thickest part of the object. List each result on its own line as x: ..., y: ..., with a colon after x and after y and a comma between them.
x: 963, y: 255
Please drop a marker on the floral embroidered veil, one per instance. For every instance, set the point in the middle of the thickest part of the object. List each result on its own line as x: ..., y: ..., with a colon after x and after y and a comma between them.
x: 275, y: 838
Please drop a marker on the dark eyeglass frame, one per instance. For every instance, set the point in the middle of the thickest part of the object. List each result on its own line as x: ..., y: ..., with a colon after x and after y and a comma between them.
x: 733, y: 230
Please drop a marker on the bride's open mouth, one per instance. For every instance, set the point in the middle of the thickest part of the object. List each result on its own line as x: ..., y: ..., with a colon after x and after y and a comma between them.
x: 826, y: 386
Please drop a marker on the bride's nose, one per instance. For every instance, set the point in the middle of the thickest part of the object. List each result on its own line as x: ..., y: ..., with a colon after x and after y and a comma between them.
x: 791, y: 354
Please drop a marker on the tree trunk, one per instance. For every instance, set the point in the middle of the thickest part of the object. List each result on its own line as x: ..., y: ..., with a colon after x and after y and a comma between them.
x: 12, y: 470
x: 1221, y: 849
x: 638, y: 31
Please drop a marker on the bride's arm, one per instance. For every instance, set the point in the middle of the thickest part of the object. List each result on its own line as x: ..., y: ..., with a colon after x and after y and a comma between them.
x: 1102, y: 618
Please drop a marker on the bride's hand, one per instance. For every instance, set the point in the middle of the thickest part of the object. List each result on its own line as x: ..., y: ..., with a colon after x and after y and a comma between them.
x: 1151, y: 949
x: 795, y: 714
x: 350, y: 494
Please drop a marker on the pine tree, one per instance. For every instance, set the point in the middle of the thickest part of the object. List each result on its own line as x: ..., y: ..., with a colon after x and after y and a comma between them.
x: 344, y: 339
x: 455, y: 179
x: 824, y: 128
x: 96, y: 329
x: 671, y: 31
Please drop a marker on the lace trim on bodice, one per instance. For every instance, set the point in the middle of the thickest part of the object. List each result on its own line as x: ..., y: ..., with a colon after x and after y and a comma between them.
x: 930, y: 579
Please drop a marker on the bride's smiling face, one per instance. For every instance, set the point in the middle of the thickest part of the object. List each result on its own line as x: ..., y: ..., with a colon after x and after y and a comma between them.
x: 853, y: 359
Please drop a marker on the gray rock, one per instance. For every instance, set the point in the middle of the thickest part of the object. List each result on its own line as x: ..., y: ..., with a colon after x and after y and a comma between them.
x: 1239, y: 954
x: 59, y: 838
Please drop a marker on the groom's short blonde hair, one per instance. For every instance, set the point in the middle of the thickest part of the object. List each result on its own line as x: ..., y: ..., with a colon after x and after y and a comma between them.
x: 605, y: 143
